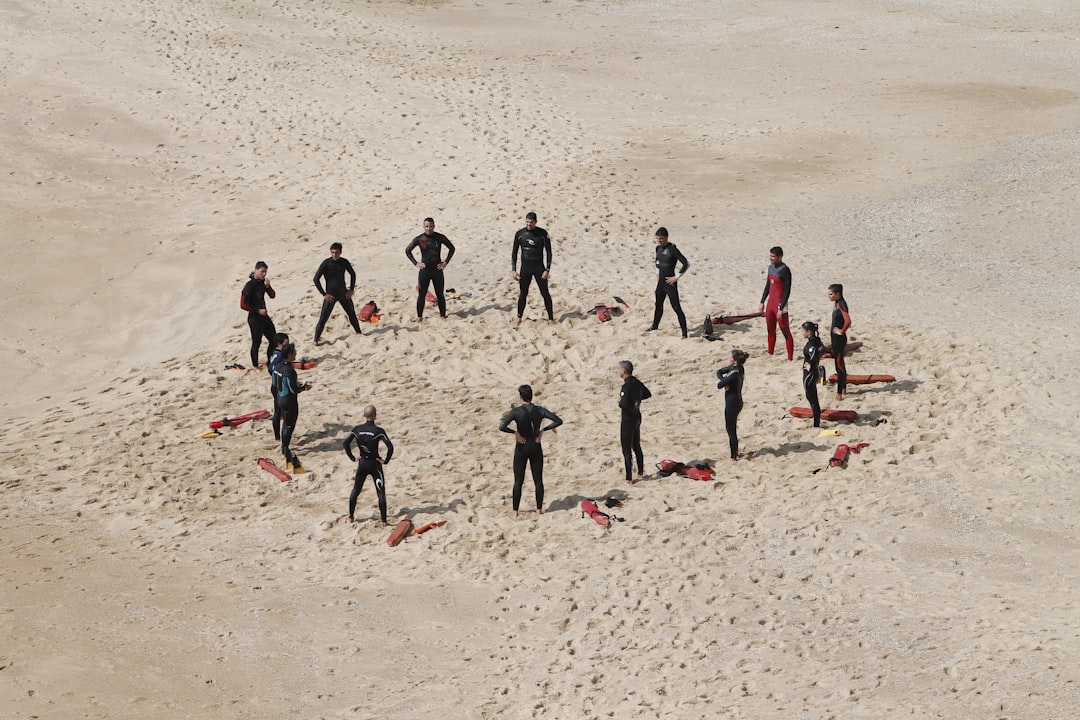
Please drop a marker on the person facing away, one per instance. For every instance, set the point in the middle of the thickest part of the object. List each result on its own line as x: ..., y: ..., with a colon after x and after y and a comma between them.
x: 774, y: 301
x: 288, y: 391
x: 253, y: 300
x: 812, y: 354
x: 535, y: 247
x: 631, y: 394
x: 430, y: 265
x: 367, y: 437
x: 667, y: 279
x: 731, y: 382
x: 841, y: 322
x: 333, y: 270
x: 527, y: 419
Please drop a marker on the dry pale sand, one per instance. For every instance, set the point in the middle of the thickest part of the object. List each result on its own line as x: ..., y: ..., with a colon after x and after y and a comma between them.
x: 924, y: 153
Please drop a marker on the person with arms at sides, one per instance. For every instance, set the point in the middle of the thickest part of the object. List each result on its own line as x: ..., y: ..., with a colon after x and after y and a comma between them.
x: 812, y: 353
x: 535, y: 247
x: 333, y: 270
x: 431, y: 266
x: 841, y: 322
x: 774, y: 301
x: 528, y: 418
x: 631, y: 394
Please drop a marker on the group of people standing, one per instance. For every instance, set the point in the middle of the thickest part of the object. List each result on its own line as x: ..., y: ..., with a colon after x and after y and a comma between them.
x: 335, y: 280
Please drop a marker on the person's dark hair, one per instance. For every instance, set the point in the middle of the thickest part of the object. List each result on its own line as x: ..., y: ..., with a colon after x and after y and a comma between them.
x: 260, y: 265
x: 661, y: 232
x: 627, y: 366
x: 288, y: 350
x: 811, y: 326
x: 525, y: 393
x: 530, y: 216
x: 777, y: 250
x: 739, y: 356
x: 280, y: 338
x: 335, y: 246
x: 838, y: 289
x: 430, y: 220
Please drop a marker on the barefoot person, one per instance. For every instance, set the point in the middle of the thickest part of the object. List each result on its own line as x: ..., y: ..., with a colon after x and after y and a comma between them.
x: 535, y: 246
x: 253, y: 300
x: 774, y: 300
x: 631, y: 394
x: 667, y: 279
x: 731, y: 381
x: 288, y: 390
x: 527, y: 418
x: 430, y: 265
x: 841, y: 321
x: 812, y: 353
x: 333, y: 270
x: 367, y: 438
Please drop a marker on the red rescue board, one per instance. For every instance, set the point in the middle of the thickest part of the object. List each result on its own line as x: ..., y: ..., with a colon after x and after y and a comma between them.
x: 298, y: 364
x: 805, y: 412
x: 240, y: 419
x: 400, y: 531
x: 851, y: 347
x: 865, y: 379
x: 588, y: 507
x: 732, y: 319
x: 269, y: 466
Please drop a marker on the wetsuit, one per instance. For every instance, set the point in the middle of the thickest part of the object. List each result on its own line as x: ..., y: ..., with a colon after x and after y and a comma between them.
x: 367, y: 437
x: 841, y: 321
x: 775, y: 299
x: 731, y: 379
x: 431, y: 255
x: 631, y: 394
x: 812, y: 352
x: 288, y: 388
x: 275, y: 361
x: 527, y: 419
x: 253, y: 299
x: 535, y: 246
x: 666, y: 258
x: 333, y: 271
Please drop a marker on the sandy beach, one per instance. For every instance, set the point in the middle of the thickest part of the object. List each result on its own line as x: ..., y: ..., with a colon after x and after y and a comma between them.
x: 924, y: 154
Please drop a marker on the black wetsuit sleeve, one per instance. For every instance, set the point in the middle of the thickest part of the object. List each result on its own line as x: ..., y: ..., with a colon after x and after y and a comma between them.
x: 409, y: 249
x: 547, y: 251
x: 556, y: 421
x: 347, y: 444
x: 514, y: 252
x: 449, y: 246
x: 645, y: 394
x: 351, y: 272
x: 785, y: 276
x: 319, y: 276
x: 511, y: 416
x: 765, y: 292
x: 685, y: 264
x: 728, y: 376
x: 389, y: 446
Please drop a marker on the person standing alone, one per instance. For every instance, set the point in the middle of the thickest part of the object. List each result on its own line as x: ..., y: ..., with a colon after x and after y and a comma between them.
x: 535, y: 246
x: 667, y: 280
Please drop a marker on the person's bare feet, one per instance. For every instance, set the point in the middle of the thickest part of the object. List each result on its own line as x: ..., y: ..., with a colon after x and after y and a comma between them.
x: 419, y: 319
x: 515, y: 514
x: 517, y: 323
x: 551, y: 322
x: 386, y: 524
x: 539, y: 511
x: 351, y: 521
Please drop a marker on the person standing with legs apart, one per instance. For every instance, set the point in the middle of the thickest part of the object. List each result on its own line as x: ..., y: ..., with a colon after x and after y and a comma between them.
x: 841, y: 321
x: 431, y: 266
x: 667, y: 255
x: 535, y: 246
x: 367, y: 438
x: 528, y: 418
x: 333, y: 270
x: 812, y: 354
x: 631, y: 394
x: 731, y: 381
x: 253, y: 300
x: 774, y: 300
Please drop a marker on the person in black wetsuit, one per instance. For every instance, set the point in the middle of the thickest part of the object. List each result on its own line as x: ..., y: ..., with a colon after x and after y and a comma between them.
x: 841, y: 321
x: 276, y: 358
x: 631, y: 394
x: 535, y: 246
x: 288, y: 388
x: 253, y: 300
x: 431, y: 266
x: 731, y: 380
x: 367, y: 437
x: 812, y: 353
x: 333, y: 270
x: 528, y: 418
x: 667, y: 255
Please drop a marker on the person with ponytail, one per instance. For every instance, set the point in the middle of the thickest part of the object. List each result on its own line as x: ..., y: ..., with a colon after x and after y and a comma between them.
x: 812, y: 354
x: 841, y: 322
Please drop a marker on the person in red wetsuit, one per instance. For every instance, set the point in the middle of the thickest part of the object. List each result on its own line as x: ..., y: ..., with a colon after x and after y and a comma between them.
x: 841, y: 321
x: 253, y: 300
x: 774, y: 300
